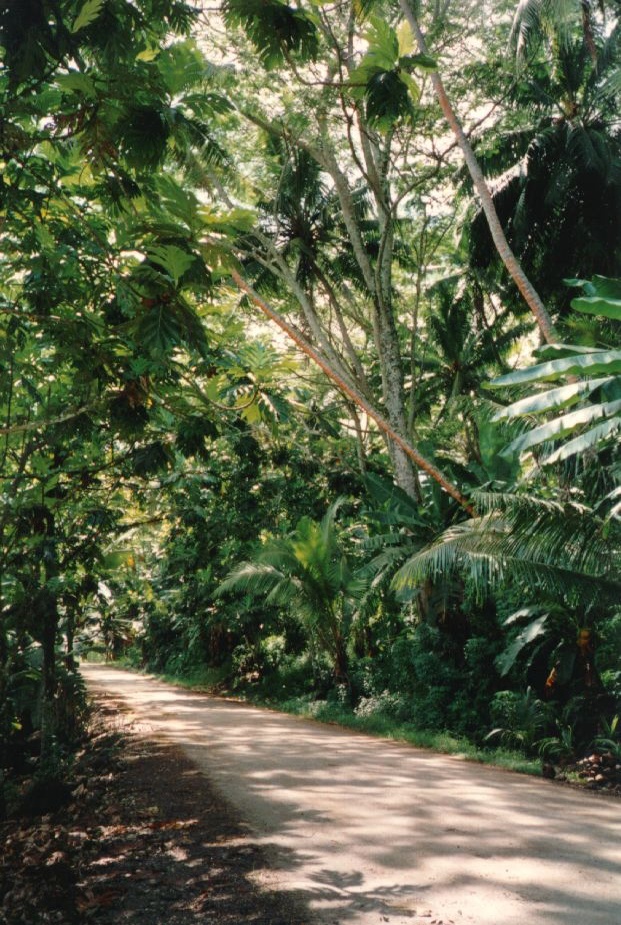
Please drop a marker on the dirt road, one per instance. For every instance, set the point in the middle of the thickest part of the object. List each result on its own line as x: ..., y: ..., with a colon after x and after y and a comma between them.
x: 366, y: 831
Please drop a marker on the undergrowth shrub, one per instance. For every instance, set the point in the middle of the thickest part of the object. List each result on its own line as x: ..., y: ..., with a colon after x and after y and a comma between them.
x: 520, y: 719
x: 392, y: 705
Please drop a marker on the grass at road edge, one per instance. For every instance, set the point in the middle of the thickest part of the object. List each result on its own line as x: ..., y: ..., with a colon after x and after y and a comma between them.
x: 375, y: 724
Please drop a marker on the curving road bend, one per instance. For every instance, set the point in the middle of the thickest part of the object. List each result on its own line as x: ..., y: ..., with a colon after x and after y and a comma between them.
x: 366, y: 831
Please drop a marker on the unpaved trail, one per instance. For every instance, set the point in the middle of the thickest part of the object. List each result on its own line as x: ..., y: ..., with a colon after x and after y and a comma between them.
x: 367, y: 831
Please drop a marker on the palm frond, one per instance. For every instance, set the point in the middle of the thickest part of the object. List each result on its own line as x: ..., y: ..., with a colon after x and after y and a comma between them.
x: 590, y: 440
x: 562, y: 547
x: 254, y: 578
x: 536, y: 19
x: 284, y: 591
x: 603, y: 366
x: 525, y: 24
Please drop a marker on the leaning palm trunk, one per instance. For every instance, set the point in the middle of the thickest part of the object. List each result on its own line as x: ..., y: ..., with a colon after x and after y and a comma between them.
x: 499, y: 238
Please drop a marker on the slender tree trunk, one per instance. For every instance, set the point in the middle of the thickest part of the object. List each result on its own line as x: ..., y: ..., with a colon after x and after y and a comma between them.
x: 587, y: 30
x: 49, y: 619
x: 387, y: 337
x: 378, y: 283
x: 391, y: 362
x: 4, y: 714
x: 499, y: 238
x: 362, y: 459
x: 393, y: 391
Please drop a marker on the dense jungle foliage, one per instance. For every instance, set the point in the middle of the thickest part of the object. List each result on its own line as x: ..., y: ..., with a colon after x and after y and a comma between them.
x: 310, y: 361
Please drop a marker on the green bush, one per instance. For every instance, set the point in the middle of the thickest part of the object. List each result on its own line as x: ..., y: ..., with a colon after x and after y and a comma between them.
x: 520, y: 720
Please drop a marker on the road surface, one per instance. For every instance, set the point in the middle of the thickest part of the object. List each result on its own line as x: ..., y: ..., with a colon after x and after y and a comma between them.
x: 367, y: 831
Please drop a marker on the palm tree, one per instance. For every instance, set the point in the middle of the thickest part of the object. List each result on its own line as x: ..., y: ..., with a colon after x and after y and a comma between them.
x: 561, y: 549
x: 570, y: 547
x: 536, y: 20
x: 461, y: 345
x: 310, y: 570
x: 557, y: 180
x: 561, y: 562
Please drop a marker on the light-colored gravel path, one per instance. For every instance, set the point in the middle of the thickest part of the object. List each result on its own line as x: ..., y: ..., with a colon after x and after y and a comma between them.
x: 369, y: 831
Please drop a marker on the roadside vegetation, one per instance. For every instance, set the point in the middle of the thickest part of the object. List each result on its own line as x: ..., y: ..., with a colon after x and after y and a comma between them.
x: 310, y: 368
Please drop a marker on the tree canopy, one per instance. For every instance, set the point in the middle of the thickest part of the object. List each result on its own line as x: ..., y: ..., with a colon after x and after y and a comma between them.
x: 270, y: 278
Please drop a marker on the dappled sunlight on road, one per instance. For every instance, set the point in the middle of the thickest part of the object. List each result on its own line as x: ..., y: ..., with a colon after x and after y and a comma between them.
x: 362, y: 827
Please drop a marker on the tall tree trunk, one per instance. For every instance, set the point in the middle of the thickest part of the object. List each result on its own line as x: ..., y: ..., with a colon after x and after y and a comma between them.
x: 378, y: 282
x: 393, y: 392
x: 587, y: 30
x: 49, y: 618
x: 499, y: 238
x: 5, y: 718
x: 389, y: 350
x: 380, y: 287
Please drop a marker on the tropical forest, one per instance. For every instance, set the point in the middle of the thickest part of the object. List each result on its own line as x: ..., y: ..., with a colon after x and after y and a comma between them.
x: 310, y: 369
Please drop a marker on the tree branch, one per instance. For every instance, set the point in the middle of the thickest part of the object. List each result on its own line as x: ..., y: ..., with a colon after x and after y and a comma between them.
x: 353, y: 394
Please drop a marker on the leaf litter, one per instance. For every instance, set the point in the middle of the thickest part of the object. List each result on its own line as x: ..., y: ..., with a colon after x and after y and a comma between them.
x: 141, y: 839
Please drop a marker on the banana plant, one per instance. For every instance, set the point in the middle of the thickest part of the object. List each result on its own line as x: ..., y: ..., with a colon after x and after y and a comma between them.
x: 585, y: 411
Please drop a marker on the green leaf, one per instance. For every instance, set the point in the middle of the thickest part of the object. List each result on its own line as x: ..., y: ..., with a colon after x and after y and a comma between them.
x: 605, y: 287
x: 552, y: 399
x: 172, y: 258
x: 596, y: 305
x: 520, y: 614
x: 150, y: 459
x: 603, y: 361
x: 77, y: 83
x: 88, y: 14
x: 387, y: 99
x: 528, y: 635
x: 592, y: 438
x: 275, y: 29
x: 179, y: 202
x: 383, y: 50
x: 411, y: 84
x: 232, y: 221
x: 159, y: 330
x: 554, y: 351
x: 418, y: 62
x: 405, y: 38
x: 560, y: 427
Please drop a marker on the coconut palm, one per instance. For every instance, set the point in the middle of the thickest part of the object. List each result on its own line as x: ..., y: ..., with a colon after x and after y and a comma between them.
x: 460, y: 345
x: 557, y: 179
x: 557, y: 20
x: 561, y: 561
x: 560, y: 548
x: 568, y: 547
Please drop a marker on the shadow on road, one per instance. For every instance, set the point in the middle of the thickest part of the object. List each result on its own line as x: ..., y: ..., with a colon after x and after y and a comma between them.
x: 357, y: 829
